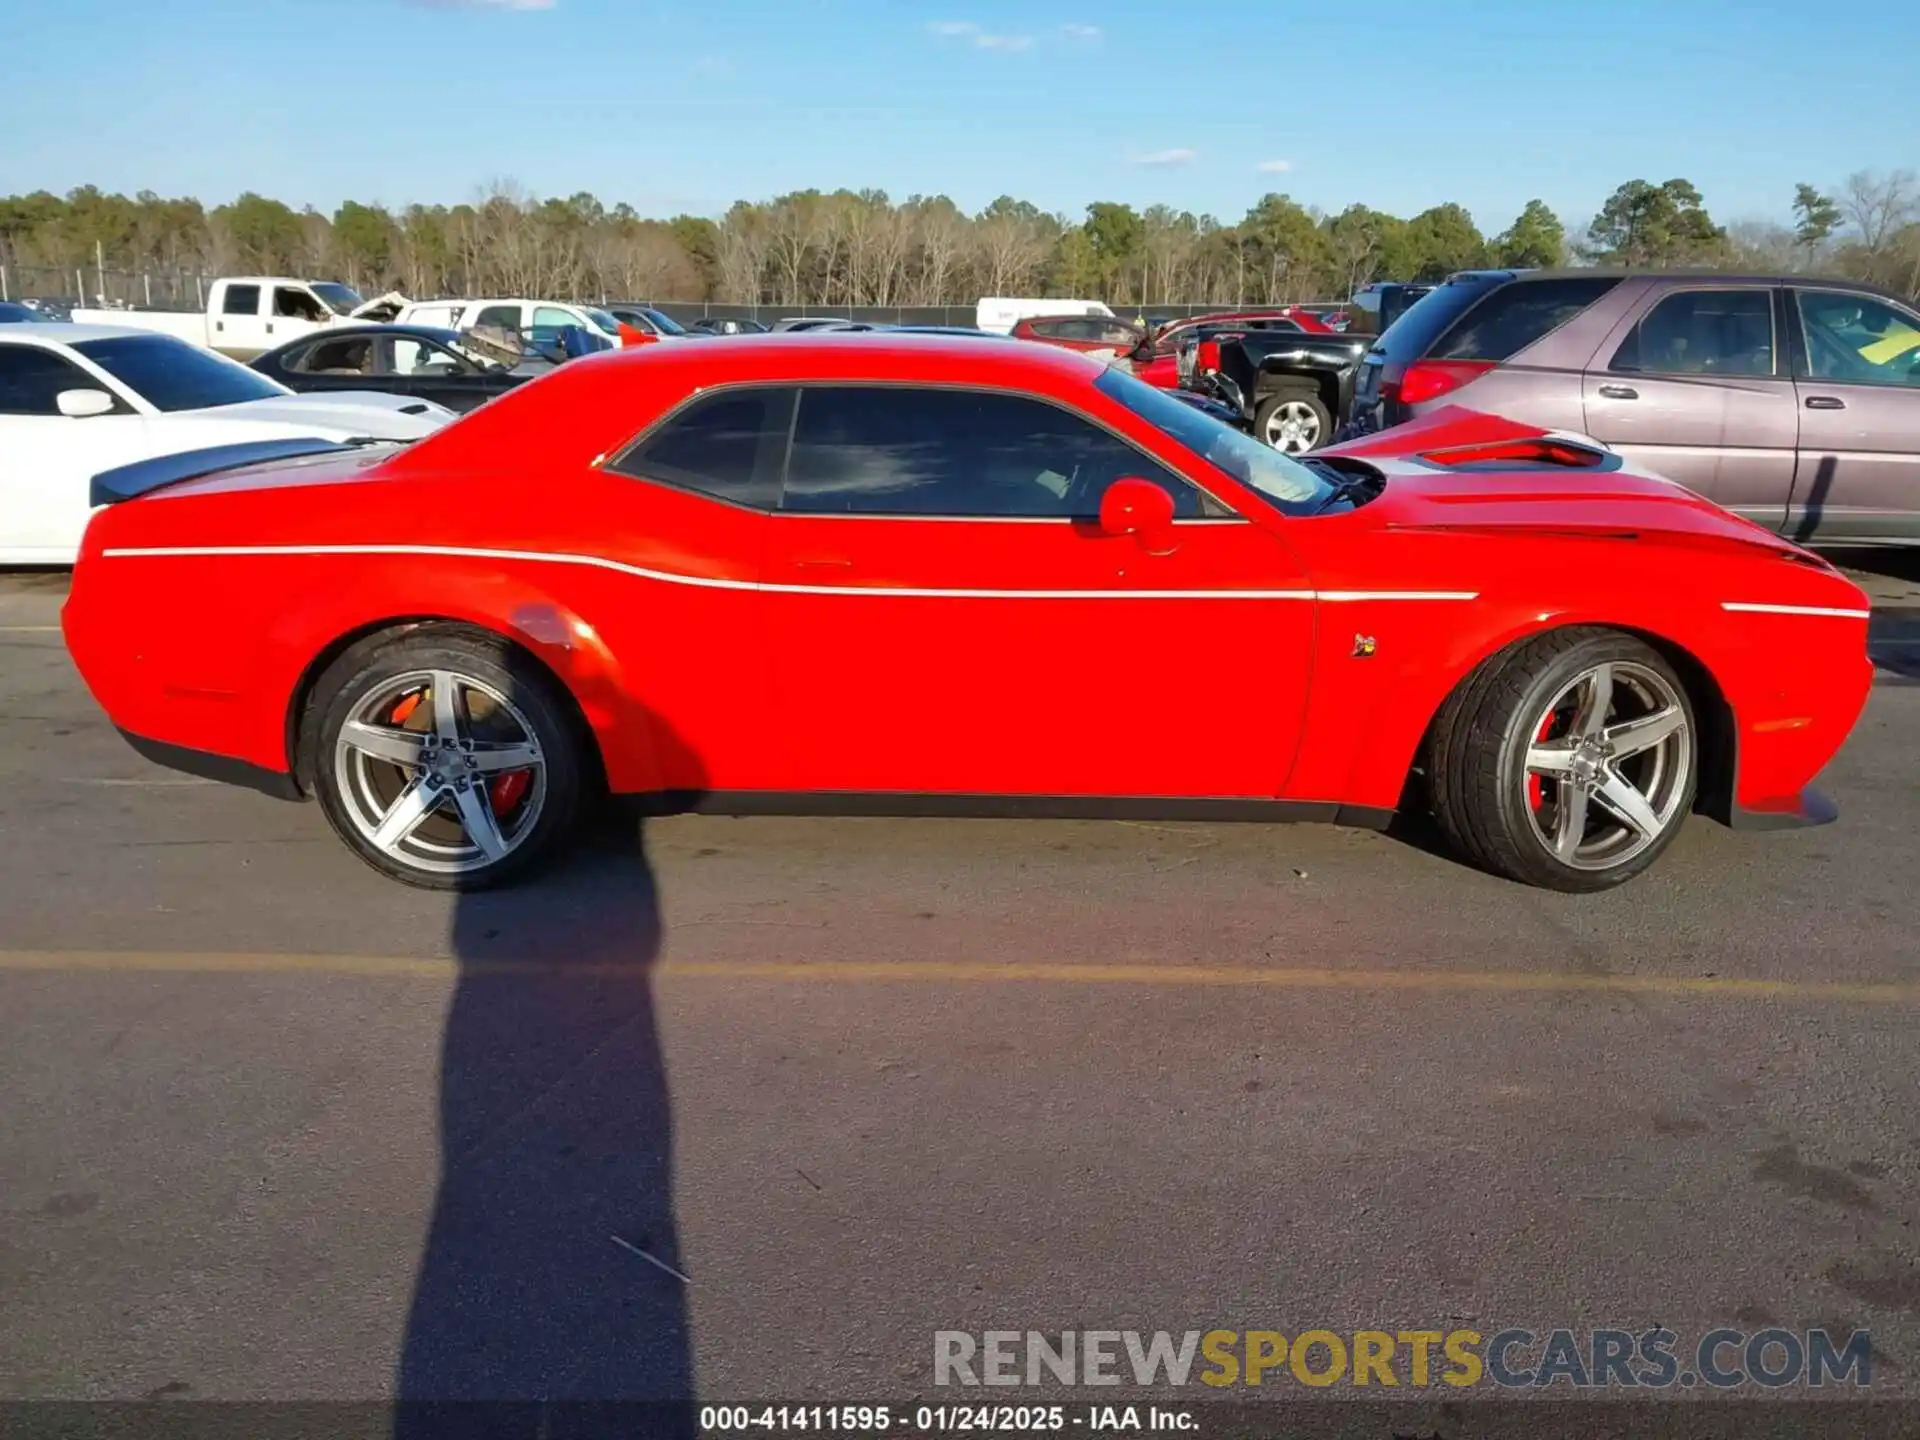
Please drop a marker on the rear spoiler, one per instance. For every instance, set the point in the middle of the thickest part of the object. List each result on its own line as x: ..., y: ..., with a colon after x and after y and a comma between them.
x: 127, y: 482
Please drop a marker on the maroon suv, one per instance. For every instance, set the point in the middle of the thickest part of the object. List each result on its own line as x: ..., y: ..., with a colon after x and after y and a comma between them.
x: 1790, y: 400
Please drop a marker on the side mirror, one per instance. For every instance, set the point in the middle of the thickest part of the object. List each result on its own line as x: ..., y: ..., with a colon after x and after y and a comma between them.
x: 83, y: 404
x: 1137, y: 507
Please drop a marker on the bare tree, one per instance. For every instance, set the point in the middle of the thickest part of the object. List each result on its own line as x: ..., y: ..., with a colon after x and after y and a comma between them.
x: 1879, y: 206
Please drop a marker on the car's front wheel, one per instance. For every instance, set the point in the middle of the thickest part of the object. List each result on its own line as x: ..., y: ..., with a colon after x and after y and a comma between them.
x: 1569, y: 761
x: 445, y: 758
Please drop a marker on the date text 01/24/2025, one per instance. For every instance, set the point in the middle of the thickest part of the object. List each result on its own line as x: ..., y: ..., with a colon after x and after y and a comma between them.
x: 941, y: 1419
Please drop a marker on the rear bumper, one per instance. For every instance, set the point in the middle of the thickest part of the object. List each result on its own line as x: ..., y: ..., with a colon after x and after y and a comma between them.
x: 208, y: 766
x: 1810, y: 807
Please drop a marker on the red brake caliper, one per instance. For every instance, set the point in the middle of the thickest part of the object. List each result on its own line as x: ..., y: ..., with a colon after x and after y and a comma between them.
x: 508, y: 788
x: 1536, y: 792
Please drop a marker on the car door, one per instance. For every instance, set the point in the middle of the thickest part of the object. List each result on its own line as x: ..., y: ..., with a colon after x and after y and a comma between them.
x: 47, y: 460
x: 1693, y: 384
x: 415, y: 365
x: 238, y: 328
x: 686, y: 514
x: 1857, y: 375
x: 945, y: 618
x: 292, y: 311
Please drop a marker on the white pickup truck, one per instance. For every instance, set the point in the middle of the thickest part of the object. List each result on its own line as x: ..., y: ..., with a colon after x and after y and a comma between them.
x: 250, y: 315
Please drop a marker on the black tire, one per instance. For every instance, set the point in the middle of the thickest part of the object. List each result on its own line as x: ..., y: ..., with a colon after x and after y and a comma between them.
x: 1477, y: 780
x: 543, y: 709
x: 1291, y: 395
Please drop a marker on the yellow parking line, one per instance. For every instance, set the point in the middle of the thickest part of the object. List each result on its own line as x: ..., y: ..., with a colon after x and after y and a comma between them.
x: 1513, y: 982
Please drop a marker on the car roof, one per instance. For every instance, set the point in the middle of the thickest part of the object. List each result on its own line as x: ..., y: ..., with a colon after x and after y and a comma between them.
x: 65, y: 332
x: 792, y: 356
x: 586, y: 409
x: 1688, y: 275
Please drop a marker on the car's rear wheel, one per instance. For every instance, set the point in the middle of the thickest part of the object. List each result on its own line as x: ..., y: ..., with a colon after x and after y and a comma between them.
x: 1293, y: 420
x: 446, y: 759
x: 1569, y: 761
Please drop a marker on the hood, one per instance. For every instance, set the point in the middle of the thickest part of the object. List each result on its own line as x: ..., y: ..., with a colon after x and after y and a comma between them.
x: 350, y: 412
x: 383, y: 307
x: 1456, y: 469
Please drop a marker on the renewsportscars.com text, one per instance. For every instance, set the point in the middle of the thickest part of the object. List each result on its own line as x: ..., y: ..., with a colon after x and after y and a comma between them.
x: 1654, y: 1358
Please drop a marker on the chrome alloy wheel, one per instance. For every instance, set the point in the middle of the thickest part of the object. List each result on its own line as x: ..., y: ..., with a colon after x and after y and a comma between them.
x: 1292, y: 427
x: 1609, y: 766
x: 440, y: 771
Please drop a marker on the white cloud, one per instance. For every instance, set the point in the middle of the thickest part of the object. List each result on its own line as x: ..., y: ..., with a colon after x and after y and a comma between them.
x: 1081, y: 32
x: 967, y: 30
x: 1166, y: 158
x: 1274, y: 167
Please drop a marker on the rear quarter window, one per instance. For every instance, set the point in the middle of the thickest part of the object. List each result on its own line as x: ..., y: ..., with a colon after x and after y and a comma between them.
x: 728, y: 445
x: 1515, y: 316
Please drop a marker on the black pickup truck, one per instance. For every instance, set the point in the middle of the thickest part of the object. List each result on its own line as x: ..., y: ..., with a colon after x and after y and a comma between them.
x: 1288, y: 387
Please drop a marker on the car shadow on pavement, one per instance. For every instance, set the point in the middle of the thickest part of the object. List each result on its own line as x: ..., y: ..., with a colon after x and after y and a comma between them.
x: 551, y: 1278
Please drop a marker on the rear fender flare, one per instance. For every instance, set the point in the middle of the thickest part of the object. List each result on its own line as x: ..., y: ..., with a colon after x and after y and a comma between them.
x: 308, y: 638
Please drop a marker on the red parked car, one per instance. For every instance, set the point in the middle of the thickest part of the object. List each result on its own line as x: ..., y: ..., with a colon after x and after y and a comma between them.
x: 890, y: 574
x: 1086, y: 333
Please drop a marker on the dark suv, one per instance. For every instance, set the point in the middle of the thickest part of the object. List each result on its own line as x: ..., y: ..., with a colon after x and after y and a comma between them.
x: 1790, y: 400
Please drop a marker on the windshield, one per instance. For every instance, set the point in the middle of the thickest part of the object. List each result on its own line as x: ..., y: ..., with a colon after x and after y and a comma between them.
x: 1288, y: 484
x: 601, y: 320
x: 170, y: 374
x: 341, y: 299
x: 666, y: 324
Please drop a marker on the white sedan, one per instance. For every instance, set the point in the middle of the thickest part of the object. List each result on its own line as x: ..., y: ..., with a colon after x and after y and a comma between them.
x: 76, y: 400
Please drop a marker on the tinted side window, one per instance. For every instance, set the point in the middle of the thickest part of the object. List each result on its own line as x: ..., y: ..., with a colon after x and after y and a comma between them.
x: 32, y: 378
x: 1859, y: 340
x: 1514, y: 316
x: 885, y: 450
x: 1702, y: 332
x: 333, y: 357
x: 504, y: 317
x: 728, y: 445
x: 241, y: 300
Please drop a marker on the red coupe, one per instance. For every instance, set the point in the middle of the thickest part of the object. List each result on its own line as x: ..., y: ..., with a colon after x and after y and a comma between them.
x: 914, y: 574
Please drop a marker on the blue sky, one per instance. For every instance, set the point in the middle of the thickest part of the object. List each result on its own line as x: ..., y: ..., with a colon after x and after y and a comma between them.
x: 678, y: 106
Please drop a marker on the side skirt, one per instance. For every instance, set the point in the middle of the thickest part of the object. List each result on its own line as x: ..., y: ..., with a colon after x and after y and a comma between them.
x: 1004, y: 807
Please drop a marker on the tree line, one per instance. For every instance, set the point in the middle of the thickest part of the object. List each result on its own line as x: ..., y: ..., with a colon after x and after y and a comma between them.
x: 817, y: 249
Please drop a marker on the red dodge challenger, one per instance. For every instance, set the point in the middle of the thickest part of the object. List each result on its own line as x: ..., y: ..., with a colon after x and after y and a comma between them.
x: 919, y: 574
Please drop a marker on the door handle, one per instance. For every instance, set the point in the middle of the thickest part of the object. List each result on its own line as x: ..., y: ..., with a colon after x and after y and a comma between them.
x: 1619, y: 392
x: 269, y: 327
x: 1825, y: 402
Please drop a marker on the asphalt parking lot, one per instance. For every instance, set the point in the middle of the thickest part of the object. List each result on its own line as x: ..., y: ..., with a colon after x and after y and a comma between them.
x: 277, y: 1128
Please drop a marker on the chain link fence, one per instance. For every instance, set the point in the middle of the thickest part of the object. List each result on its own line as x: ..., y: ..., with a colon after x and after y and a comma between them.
x: 163, y: 289
x: 107, y: 288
